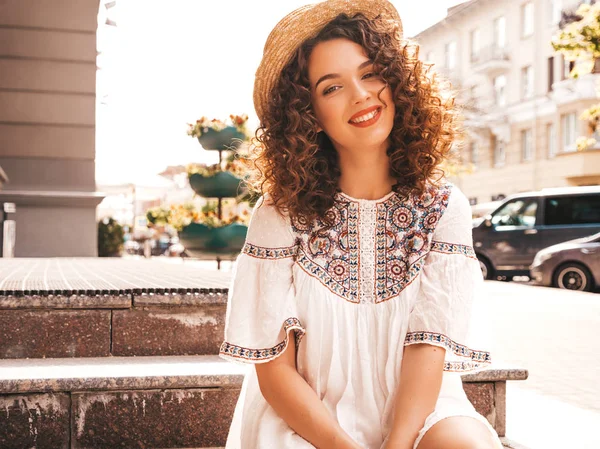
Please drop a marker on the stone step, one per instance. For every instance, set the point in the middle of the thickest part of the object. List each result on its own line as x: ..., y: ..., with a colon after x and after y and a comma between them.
x: 142, y: 324
x: 158, y: 402
x: 167, y: 402
x: 99, y: 307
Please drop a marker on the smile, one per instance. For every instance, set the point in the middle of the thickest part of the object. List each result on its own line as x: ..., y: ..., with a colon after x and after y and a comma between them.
x: 367, y: 119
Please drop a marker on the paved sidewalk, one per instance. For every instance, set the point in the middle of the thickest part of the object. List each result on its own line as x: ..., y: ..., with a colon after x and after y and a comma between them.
x: 540, y: 422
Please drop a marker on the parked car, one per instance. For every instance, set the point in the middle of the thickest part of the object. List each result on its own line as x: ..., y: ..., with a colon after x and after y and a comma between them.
x: 574, y: 265
x: 507, y: 240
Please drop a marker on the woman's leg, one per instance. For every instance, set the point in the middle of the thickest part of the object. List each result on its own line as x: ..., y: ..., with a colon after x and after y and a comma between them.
x: 459, y: 432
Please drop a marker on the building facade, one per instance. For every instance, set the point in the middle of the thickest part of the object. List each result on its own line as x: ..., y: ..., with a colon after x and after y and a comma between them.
x: 47, y: 124
x: 521, y: 108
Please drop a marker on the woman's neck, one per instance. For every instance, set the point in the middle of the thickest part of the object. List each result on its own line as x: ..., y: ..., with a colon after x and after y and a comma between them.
x: 365, y: 176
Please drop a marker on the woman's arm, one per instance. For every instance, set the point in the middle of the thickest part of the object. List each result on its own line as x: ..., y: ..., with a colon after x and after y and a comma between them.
x: 298, y: 404
x: 418, y: 391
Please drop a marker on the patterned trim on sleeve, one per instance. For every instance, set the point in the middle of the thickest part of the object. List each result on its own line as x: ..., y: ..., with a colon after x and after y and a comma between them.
x: 269, y: 253
x: 266, y: 354
x: 478, y: 358
x: 453, y: 248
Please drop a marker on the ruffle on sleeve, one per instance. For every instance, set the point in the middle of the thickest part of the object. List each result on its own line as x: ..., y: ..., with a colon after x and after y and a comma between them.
x: 261, y: 309
x: 450, y: 280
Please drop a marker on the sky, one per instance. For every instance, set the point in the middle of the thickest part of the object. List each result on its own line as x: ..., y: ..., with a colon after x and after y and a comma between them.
x: 167, y: 63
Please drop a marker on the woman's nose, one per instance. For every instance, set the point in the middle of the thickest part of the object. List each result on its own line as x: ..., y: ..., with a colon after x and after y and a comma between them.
x: 360, y: 93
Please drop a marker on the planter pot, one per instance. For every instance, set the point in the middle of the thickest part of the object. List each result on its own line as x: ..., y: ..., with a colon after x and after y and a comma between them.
x: 221, y: 185
x: 200, y: 241
x: 225, y: 139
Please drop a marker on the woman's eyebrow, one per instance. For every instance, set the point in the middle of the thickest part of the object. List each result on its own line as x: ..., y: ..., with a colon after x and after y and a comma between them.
x: 337, y: 75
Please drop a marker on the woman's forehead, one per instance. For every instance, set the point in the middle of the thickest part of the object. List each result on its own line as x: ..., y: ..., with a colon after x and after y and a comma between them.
x: 335, y: 56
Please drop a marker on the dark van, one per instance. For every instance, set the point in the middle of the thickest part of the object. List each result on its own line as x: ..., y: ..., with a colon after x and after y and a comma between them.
x: 507, y: 240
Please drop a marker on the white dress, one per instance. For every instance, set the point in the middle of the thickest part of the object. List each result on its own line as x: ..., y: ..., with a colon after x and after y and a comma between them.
x: 390, y: 273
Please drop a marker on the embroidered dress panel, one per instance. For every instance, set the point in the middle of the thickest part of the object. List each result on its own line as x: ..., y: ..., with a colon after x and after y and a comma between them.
x: 375, y: 248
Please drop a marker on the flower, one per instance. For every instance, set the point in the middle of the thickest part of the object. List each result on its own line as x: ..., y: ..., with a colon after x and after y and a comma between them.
x: 203, y: 124
x: 183, y: 215
x: 237, y: 167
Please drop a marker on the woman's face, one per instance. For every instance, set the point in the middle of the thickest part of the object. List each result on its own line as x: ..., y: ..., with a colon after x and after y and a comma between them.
x: 344, y: 92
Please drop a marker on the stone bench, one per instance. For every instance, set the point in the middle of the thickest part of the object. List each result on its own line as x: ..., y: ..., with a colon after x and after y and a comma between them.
x: 166, y: 402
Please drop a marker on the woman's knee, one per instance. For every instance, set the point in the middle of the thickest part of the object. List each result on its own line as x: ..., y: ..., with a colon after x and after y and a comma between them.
x: 459, y: 432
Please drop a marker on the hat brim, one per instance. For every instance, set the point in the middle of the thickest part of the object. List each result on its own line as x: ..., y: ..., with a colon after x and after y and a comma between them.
x: 302, y: 24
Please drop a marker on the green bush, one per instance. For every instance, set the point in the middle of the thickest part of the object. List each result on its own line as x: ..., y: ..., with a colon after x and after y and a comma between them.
x: 110, y: 238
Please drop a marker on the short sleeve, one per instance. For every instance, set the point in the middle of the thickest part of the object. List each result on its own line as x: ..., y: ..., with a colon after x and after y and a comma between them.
x: 450, y: 280
x: 261, y: 311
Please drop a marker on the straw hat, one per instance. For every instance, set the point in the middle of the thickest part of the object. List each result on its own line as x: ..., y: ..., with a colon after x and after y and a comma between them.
x: 302, y: 24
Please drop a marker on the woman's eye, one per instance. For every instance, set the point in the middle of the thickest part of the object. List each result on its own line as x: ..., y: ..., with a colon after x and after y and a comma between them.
x: 368, y: 74
x: 329, y: 90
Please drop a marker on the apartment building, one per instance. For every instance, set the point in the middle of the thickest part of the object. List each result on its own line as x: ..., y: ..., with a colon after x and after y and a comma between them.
x: 521, y: 108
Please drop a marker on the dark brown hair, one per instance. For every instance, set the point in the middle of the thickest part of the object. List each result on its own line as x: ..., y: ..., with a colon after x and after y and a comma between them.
x: 299, y: 168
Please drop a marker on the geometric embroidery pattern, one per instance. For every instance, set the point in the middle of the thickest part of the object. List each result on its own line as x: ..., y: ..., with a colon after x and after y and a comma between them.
x: 453, y: 248
x: 266, y: 354
x: 403, y: 233
x: 269, y: 253
x: 476, y: 358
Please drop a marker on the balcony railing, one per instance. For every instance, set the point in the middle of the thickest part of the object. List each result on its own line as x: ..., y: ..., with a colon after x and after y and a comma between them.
x: 491, y: 58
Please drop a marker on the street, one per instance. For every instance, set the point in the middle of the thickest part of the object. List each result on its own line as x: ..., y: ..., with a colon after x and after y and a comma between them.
x: 554, y: 334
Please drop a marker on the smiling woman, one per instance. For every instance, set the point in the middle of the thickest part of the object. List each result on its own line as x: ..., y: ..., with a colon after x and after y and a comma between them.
x: 353, y: 292
x: 310, y: 143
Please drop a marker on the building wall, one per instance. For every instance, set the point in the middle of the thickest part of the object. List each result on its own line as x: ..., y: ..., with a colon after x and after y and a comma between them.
x: 519, y: 113
x: 47, y: 123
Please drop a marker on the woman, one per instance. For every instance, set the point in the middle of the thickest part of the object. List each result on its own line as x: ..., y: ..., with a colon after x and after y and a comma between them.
x: 352, y: 293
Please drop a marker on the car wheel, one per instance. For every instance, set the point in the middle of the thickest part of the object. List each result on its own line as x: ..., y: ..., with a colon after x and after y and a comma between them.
x: 573, y: 276
x: 486, y: 268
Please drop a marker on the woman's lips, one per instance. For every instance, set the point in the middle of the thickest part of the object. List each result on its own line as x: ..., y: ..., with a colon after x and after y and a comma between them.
x: 368, y: 122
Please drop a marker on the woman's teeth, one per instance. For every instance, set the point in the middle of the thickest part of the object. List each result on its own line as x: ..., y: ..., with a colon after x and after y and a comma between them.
x: 364, y: 118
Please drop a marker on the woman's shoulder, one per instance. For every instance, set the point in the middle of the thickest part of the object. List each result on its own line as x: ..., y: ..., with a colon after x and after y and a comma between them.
x: 450, y: 198
x: 268, y: 225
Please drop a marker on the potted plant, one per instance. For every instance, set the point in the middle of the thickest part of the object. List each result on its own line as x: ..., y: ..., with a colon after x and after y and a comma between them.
x: 215, y: 134
x: 217, y: 180
x: 204, y: 233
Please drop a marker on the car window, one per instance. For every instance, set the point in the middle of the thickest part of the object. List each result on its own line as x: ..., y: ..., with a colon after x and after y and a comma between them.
x: 519, y: 212
x: 569, y: 210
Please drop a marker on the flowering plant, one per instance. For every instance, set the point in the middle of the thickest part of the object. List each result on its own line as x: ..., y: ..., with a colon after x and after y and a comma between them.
x: 158, y: 215
x: 184, y: 214
x: 204, y: 124
x: 234, y: 166
x: 579, y: 40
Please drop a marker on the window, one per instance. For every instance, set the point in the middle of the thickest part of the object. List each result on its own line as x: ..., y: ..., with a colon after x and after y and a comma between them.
x: 527, y: 19
x: 519, y: 212
x: 500, y: 32
x: 450, y: 55
x: 499, y: 155
x: 555, y: 11
x: 550, y: 73
x: 526, y: 145
x: 566, y: 69
x: 474, y: 153
x: 500, y: 90
x: 567, y: 124
x: 527, y: 82
x: 551, y: 138
x: 572, y: 210
x: 475, y: 44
